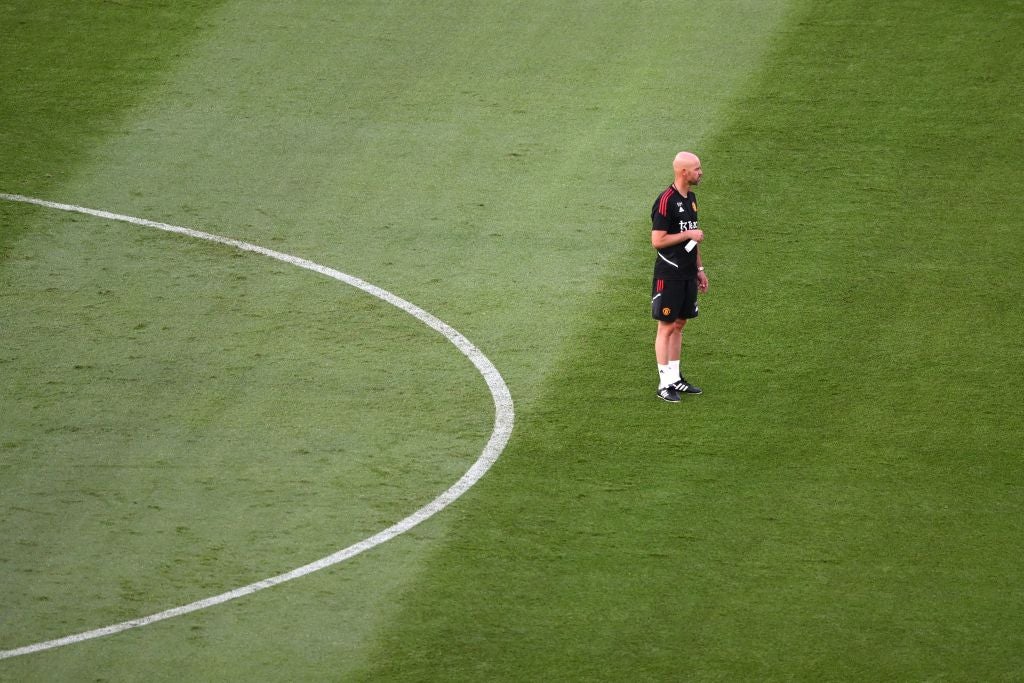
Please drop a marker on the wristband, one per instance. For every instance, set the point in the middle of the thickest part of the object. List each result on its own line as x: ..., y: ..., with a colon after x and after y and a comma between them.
x: 700, y: 269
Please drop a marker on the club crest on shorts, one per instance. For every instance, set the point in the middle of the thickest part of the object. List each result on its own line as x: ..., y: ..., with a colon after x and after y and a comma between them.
x: 666, y: 311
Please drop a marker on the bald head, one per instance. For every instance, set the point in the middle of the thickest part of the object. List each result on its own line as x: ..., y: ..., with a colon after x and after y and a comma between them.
x: 685, y: 160
x: 686, y: 167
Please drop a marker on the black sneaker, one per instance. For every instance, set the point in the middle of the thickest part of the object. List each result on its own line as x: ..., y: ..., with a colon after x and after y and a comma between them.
x: 684, y: 387
x: 668, y: 394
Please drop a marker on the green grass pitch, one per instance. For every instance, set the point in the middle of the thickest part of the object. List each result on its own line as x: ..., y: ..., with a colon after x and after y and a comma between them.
x: 177, y: 419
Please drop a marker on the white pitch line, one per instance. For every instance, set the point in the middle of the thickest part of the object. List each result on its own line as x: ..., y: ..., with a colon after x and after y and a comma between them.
x: 504, y: 418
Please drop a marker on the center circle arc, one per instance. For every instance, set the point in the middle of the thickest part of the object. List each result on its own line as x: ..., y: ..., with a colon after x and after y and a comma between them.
x: 504, y: 419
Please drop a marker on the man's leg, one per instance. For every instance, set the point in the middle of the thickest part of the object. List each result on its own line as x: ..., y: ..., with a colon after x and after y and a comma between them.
x: 667, y: 344
x: 675, y: 352
x: 675, y: 340
x: 675, y: 348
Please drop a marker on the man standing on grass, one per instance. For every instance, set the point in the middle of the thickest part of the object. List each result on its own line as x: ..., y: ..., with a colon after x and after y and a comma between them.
x: 678, y: 272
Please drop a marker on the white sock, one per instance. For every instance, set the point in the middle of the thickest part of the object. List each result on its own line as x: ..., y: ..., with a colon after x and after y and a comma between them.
x: 673, y: 366
x: 664, y: 376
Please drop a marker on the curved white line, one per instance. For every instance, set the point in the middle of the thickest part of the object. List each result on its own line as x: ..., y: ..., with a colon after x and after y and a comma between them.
x: 504, y: 418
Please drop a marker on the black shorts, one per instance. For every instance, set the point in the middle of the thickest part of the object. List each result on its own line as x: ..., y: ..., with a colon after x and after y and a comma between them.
x: 673, y: 299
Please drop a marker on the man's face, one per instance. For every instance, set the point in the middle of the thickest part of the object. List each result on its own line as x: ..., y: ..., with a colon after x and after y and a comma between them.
x: 694, y: 173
